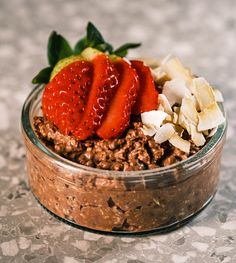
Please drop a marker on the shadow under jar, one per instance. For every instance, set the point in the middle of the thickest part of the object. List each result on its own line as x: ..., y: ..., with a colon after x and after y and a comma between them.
x: 121, y: 202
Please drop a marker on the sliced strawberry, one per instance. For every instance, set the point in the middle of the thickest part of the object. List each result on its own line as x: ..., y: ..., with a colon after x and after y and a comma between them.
x: 105, y: 79
x: 64, y: 97
x: 118, y: 114
x: 147, y: 95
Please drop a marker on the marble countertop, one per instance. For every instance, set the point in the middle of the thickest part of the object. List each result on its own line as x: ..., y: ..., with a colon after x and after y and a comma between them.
x: 202, y: 34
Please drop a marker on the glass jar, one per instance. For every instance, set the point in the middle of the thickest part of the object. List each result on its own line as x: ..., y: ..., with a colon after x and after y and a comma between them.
x: 121, y: 202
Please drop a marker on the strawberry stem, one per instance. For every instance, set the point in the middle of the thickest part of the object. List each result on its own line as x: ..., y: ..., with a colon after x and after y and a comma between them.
x: 59, y: 48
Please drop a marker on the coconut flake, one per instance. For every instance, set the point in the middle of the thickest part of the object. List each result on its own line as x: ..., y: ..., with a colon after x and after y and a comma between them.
x: 153, y: 118
x: 188, y: 109
x: 189, y: 120
x: 198, y: 113
x: 210, y: 117
x: 164, y: 133
x: 218, y: 95
x: 176, y: 114
x: 196, y: 136
x: 158, y: 73
x: 189, y: 71
x: 212, y: 132
x: 180, y: 143
x: 166, y: 59
x: 148, y: 130
x: 176, y: 109
x: 165, y: 104
x: 160, y: 107
x: 179, y: 130
x: 168, y: 118
x: 175, y: 70
x: 183, y: 122
x: 175, y: 118
x: 195, y: 102
x: 159, y: 76
x: 203, y: 93
x: 175, y: 90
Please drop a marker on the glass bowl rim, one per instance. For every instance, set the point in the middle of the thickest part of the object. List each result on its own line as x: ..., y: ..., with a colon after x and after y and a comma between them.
x: 28, y: 131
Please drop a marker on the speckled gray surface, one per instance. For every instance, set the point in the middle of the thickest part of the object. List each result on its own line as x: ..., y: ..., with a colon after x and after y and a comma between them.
x: 203, y: 34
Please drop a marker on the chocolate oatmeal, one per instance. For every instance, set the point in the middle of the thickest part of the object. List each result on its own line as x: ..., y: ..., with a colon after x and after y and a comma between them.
x: 122, y: 204
x: 133, y: 151
x: 107, y: 200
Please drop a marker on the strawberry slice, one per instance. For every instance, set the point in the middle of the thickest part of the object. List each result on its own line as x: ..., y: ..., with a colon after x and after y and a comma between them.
x: 105, y: 79
x: 147, y: 95
x: 64, y: 97
x: 118, y: 114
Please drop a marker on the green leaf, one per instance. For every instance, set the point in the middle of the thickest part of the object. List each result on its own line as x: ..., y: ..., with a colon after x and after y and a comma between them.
x: 43, y: 76
x: 122, y: 53
x: 105, y: 47
x: 93, y: 35
x: 80, y: 45
x: 123, y: 50
x: 58, y: 48
x: 93, y: 39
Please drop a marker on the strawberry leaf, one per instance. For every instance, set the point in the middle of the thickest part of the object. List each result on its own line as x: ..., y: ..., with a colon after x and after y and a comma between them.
x: 123, y: 50
x: 105, y: 47
x: 43, y: 76
x: 93, y: 39
x: 93, y: 35
x: 80, y: 45
x: 58, y: 48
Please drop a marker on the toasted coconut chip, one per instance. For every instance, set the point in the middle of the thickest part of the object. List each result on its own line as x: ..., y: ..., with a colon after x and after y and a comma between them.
x: 161, y: 108
x: 180, y: 143
x: 203, y: 93
x: 175, y: 118
x: 183, y: 122
x: 189, y: 111
x: 153, y: 118
x: 150, y: 131
x: 166, y: 59
x: 197, y: 137
x: 165, y: 104
x: 159, y: 76
x: 168, y: 118
x: 218, y: 95
x: 179, y: 130
x: 158, y: 73
x: 195, y: 102
x: 176, y: 109
x: 175, y: 90
x: 164, y: 133
x: 212, y: 132
x: 175, y: 70
x: 189, y: 71
x: 210, y: 117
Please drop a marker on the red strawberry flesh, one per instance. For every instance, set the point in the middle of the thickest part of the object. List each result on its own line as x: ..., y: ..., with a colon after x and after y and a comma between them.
x: 64, y: 97
x: 105, y: 80
x: 118, y: 114
x: 147, y: 95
